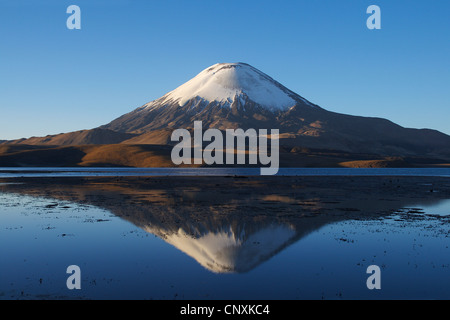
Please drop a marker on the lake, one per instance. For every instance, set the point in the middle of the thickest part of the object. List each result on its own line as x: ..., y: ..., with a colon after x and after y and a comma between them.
x: 303, y: 236
x: 124, y: 172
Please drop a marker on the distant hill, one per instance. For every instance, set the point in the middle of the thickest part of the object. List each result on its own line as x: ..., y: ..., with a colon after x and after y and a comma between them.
x: 115, y: 155
x: 83, y: 137
x: 127, y: 155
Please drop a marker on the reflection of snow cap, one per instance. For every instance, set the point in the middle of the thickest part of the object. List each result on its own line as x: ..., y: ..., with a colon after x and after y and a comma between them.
x: 226, y: 252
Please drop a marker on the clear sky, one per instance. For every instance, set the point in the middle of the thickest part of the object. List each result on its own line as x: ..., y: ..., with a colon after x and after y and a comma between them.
x: 129, y: 52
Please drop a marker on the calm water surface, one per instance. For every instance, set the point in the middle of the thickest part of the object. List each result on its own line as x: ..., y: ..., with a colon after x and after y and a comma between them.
x: 107, y: 172
x: 168, y: 250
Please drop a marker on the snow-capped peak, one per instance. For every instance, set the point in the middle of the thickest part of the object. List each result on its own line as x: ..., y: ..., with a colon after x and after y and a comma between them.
x: 226, y: 82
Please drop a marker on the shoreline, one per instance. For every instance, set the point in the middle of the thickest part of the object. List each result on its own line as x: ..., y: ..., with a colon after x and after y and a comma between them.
x: 12, y: 173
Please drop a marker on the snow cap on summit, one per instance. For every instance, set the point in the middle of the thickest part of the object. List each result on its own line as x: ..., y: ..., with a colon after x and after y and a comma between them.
x: 226, y: 82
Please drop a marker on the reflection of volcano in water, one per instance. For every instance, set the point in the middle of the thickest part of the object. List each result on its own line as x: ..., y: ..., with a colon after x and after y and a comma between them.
x: 230, y: 224
x: 234, y: 241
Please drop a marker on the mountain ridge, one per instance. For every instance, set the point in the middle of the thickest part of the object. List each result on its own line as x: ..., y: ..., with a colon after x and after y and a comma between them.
x: 237, y: 95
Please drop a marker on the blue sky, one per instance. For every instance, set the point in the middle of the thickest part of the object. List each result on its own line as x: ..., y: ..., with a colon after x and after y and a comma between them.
x: 128, y: 53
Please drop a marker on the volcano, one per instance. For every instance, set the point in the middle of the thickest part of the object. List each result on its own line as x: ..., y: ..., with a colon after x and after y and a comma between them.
x: 227, y: 95
x: 237, y: 95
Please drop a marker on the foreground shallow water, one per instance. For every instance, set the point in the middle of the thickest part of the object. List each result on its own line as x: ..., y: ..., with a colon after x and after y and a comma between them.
x: 224, y: 239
